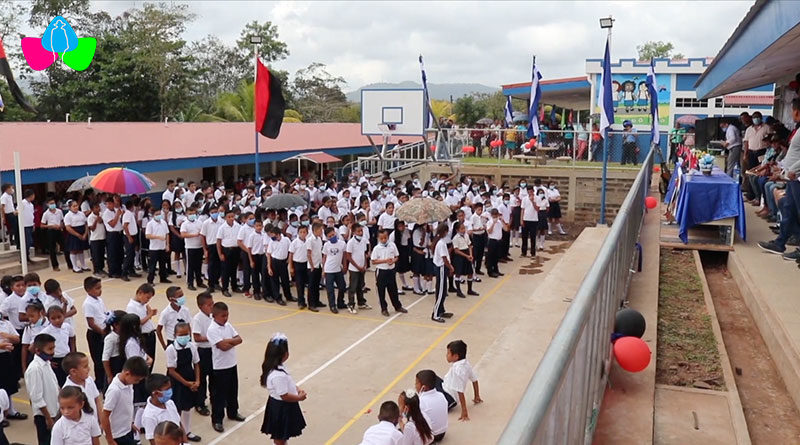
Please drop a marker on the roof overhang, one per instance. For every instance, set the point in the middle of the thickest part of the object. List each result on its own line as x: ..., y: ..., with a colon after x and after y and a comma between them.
x: 572, y: 93
x: 763, y: 49
x: 317, y: 157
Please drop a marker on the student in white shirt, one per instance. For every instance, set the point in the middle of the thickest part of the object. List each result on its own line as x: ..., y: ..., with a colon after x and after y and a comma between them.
x: 277, y: 266
x: 225, y: 394
x: 385, y: 432
x: 441, y: 262
x: 530, y: 220
x: 77, y: 424
x: 76, y: 365
x: 356, y: 258
x: 554, y: 214
x: 10, y: 213
x: 159, y: 406
x: 117, y: 417
x: 460, y: 373
x: 175, y: 312
x: 478, y: 236
x: 543, y: 203
x: 42, y: 386
x: 9, y: 378
x: 284, y: 418
x: 313, y: 248
x: 140, y: 305
x: 52, y: 221
x: 385, y: 256
x: 183, y: 369
x: 200, y: 323
x: 54, y: 296
x: 112, y: 218
x: 65, y: 340
x: 112, y: 357
x: 413, y: 424
x: 494, y: 228
x: 97, y: 240
x: 298, y: 267
x: 462, y: 257
x: 130, y: 232
x: 333, y: 263
x: 96, y: 314
x: 228, y: 251
x: 255, y: 248
x: 37, y: 321
x: 157, y: 232
x: 190, y: 231
x: 432, y: 403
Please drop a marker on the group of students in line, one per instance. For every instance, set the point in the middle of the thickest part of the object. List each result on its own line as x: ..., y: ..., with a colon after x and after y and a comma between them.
x: 227, y: 240
x: 37, y: 343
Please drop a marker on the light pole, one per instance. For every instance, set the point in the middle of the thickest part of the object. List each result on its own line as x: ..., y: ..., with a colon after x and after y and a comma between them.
x: 605, y: 23
x: 255, y: 40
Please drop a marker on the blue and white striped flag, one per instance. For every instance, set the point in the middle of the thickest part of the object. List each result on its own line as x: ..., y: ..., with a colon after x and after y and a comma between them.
x: 1, y: 103
x: 429, y: 118
x: 536, y: 96
x: 606, y: 95
x: 652, y: 91
x: 509, y: 112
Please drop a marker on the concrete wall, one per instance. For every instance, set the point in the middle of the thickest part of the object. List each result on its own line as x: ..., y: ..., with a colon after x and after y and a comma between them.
x: 580, y: 187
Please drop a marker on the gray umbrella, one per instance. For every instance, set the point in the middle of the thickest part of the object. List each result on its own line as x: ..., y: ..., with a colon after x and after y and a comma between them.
x: 81, y: 184
x: 485, y: 121
x: 284, y: 201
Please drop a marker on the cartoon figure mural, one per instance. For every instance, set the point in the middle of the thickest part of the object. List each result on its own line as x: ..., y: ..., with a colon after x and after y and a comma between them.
x: 643, y: 98
x: 631, y: 99
x: 616, y: 92
x: 628, y: 95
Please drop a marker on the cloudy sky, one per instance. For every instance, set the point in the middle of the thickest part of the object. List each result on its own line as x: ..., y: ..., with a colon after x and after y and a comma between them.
x: 484, y: 42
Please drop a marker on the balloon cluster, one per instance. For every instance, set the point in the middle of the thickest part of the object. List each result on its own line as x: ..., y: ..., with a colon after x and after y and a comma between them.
x: 631, y: 352
x: 650, y: 202
x: 495, y: 143
x: 468, y: 149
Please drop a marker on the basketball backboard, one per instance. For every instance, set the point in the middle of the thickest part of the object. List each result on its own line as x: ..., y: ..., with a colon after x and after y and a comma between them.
x: 397, y: 112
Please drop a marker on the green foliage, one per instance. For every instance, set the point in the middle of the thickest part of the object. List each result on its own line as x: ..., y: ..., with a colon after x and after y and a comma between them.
x: 290, y: 115
x: 494, y: 104
x: 42, y: 11
x: 317, y: 94
x: 236, y: 106
x: 468, y: 110
x: 349, y: 113
x: 657, y: 49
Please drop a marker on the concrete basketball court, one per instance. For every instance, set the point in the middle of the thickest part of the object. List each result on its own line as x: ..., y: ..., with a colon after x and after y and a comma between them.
x: 348, y: 364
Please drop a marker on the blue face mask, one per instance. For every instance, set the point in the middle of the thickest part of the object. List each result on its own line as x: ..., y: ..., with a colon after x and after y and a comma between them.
x: 304, y: 223
x: 251, y: 222
x: 214, y: 215
x: 45, y: 357
x: 295, y: 224
x: 253, y: 202
x: 51, y: 206
x: 182, y: 340
x: 334, y: 239
x: 756, y: 121
x: 33, y: 290
x: 384, y: 244
x: 157, y: 217
x: 165, y: 396
x: 192, y: 217
x: 181, y: 301
x: 39, y: 323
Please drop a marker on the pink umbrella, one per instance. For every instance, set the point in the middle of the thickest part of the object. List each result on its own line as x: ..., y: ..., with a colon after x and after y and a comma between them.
x: 687, y: 119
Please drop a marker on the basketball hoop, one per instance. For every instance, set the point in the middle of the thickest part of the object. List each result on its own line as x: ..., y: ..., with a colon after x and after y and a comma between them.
x: 387, y: 130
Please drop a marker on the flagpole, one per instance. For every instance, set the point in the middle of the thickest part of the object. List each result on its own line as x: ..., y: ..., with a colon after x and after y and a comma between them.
x: 605, y: 155
x: 255, y: 75
x: 23, y: 242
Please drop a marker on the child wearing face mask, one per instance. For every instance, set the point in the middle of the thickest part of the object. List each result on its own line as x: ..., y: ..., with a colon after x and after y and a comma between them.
x: 176, y: 243
x: 183, y: 369
x: 190, y: 232
x: 277, y: 266
x: 175, y: 312
x: 65, y: 340
x: 160, y: 406
x: 43, y: 386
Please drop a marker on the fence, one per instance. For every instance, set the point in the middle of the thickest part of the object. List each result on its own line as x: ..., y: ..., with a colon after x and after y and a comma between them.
x: 562, y: 400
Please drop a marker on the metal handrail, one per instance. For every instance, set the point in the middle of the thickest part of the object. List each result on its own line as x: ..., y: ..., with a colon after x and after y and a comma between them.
x: 562, y: 401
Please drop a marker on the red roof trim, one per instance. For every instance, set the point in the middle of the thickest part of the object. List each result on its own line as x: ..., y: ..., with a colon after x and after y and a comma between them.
x: 749, y: 99
x: 546, y: 82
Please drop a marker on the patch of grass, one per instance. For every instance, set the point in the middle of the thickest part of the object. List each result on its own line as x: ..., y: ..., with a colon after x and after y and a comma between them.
x: 687, y: 348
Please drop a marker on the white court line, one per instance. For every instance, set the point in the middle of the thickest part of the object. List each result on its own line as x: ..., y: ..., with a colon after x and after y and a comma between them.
x: 81, y: 286
x: 305, y: 379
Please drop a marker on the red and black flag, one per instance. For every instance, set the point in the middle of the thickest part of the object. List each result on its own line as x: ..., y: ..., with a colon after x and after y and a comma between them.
x: 269, y: 103
x: 5, y: 71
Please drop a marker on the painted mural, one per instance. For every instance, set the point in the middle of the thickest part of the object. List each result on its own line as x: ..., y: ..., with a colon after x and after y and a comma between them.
x: 632, y: 100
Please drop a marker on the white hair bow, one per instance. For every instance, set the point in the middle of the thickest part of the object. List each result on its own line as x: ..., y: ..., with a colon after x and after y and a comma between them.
x: 410, y: 393
x: 278, y: 337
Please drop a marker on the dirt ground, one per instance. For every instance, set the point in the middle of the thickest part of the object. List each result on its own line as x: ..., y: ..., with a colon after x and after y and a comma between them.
x: 687, y: 350
x: 772, y: 417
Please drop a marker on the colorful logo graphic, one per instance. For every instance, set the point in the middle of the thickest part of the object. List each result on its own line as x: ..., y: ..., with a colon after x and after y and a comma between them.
x: 59, y: 40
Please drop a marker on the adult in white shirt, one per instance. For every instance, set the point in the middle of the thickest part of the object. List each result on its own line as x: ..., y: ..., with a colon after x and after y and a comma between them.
x: 52, y: 220
x: 228, y: 252
x: 112, y: 218
x: 384, y: 256
x: 530, y: 221
x: 209, y: 241
x: 732, y: 143
x: 191, y: 232
x: 10, y: 213
x: 157, y: 231
x: 26, y: 211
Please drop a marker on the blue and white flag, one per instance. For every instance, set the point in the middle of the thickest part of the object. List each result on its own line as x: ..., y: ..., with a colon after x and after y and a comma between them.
x: 509, y: 112
x: 1, y: 103
x: 429, y: 119
x: 536, y: 96
x: 652, y: 91
x: 606, y: 95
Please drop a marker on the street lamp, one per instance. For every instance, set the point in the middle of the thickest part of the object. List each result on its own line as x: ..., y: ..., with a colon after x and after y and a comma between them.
x: 606, y: 22
x: 255, y: 41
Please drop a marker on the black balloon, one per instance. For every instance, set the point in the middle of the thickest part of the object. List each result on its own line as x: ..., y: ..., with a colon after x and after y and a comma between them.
x: 630, y: 322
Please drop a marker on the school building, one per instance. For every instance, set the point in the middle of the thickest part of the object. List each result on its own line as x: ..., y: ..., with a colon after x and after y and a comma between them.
x: 52, y: 155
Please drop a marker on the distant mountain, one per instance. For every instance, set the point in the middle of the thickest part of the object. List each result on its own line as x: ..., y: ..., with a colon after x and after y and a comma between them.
x: 439, y: 91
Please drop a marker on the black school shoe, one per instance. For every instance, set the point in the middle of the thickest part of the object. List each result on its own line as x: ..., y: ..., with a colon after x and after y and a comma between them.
x: 237, y: 418
x: 203, y: 410
x: 218, y: 427
x: 447, y: 315
x: 194, y: 437
x: 437, y: 319
x: 334, y: 310
x: 281, y: 302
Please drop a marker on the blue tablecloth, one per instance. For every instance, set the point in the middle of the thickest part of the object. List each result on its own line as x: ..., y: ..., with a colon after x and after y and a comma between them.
x: 702, y: 199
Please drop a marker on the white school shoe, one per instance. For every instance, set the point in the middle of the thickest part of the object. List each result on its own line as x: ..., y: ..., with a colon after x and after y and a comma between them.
x: 541, y: 247
x: 549, y: 232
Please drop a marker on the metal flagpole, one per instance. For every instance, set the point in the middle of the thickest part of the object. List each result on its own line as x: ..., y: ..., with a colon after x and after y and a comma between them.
x: 23, y: 246
x: 255, y: 80
x: 605, y: 156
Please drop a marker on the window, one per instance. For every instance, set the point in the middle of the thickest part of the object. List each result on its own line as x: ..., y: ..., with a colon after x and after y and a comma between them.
x: 688, y: 102
x: 719, y: 102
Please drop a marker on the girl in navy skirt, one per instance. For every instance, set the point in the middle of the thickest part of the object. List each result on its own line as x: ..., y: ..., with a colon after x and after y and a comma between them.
x: 176, y: 242
x: 283, y: 418
x: 462, y: 258
x: 554, y: 196
x: 401, y: 237
x: 77, y: 236
x: 544, y: 205
x: 183, y: 368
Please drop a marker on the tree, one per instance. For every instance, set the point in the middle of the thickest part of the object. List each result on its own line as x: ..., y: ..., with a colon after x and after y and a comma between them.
x: 215, y: 70
x: 468, y: 110
x: 236, y: 106
x: 269, y: 50
x: 43, y: 11
x: 494, y: 104
x: 317, y: 94
x: 442, y: 108
x: 349, y: 113
x: 290, y: 115
x: 653, y: 50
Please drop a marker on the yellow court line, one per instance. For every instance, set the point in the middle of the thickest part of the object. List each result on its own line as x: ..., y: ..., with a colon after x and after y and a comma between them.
x: 416, y: 361
x: 339, y: 316
x: 250, y: 323
x: 18, y: 400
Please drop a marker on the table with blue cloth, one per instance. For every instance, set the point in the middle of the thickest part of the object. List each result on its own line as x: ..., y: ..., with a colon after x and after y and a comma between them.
x: 702, y: 199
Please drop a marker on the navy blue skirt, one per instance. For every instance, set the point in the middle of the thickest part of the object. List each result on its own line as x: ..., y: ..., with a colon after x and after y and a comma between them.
x: 74, y: 243
x: 283, y: 420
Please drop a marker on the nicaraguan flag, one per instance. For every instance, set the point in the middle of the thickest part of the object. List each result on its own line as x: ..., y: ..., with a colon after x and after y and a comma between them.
x: 536, y: 96
x: 429, y: 118
x: 652, y: 91
x: 605, y: 96
x: 509, y: 112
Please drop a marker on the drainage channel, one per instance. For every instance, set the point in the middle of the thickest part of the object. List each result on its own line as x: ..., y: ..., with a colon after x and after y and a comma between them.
x: 771, y: 415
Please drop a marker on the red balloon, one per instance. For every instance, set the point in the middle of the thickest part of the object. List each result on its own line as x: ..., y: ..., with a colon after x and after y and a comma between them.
x: 656, y: 169
x: 532, y: 142
x: 632, y: 353
x: 496, y: 143
x: 650, y: 202
x: 433, y: 148
x: 793, y: 85
x: 468, y: 149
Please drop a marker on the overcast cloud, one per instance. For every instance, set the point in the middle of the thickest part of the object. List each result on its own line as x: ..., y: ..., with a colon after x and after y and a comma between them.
x: 484, y: 42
